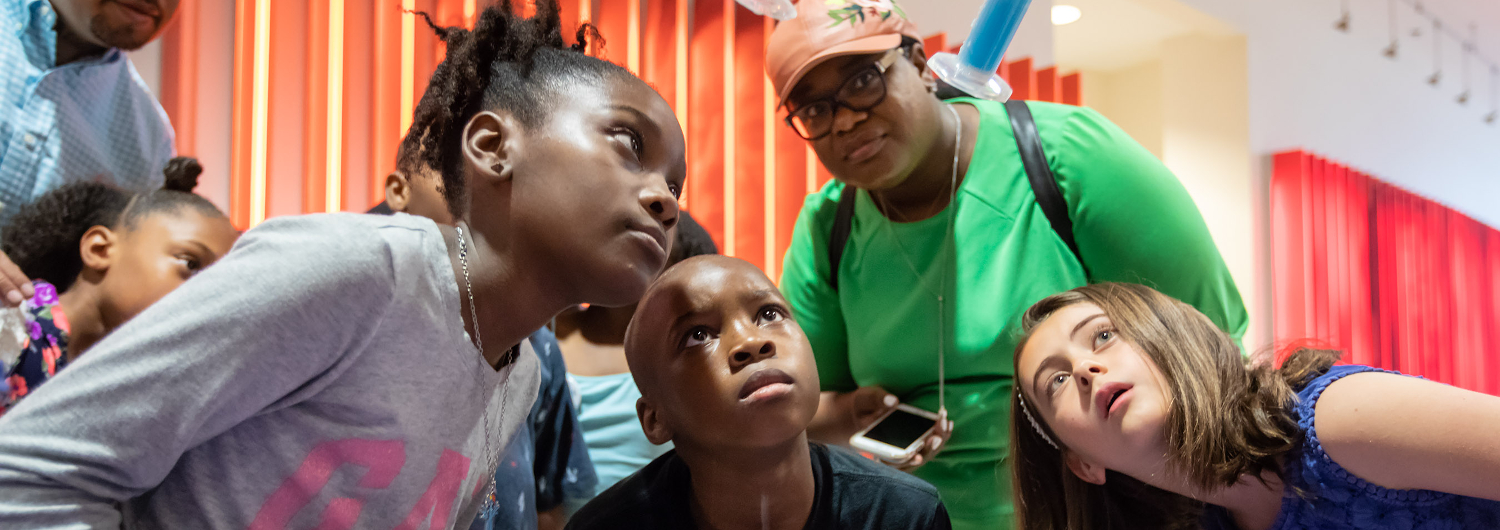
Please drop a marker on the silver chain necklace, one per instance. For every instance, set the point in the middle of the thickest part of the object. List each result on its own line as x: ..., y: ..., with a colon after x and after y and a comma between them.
x: 947, y: 241
x: 491, y: 457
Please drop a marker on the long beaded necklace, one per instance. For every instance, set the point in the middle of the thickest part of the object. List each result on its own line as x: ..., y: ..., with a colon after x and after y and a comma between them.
x: 947, y: 241
x: 491, y: 456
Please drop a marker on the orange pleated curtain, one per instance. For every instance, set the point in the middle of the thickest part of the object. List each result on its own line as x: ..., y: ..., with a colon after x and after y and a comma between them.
x: 323, y: 91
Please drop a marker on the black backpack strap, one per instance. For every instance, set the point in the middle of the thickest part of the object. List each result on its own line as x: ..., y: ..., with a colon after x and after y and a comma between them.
x: 1043, y: 183
x: 839, y: 237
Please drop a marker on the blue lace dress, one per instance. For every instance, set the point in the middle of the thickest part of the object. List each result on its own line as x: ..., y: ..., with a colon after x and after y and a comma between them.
x: 1336, y: 499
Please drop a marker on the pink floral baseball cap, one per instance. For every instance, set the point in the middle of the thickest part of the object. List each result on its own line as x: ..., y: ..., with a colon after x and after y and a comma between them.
x: 825, y: 29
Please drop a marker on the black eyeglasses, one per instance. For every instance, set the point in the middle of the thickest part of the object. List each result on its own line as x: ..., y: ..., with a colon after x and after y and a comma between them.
x: 862, y: 92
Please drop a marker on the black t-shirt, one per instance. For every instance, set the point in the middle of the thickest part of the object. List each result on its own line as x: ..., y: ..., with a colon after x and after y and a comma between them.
x: 383, y: 208
x: 851, y: 492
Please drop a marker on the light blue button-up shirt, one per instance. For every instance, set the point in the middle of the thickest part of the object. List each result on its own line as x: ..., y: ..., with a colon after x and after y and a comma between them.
x: 92, y: 119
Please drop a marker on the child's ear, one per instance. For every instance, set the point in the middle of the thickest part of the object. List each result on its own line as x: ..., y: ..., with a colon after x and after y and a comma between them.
x: 656, y: 430
x: 1085, y: 470
x: 97, y: 248
x: 491, y: 143
x: 397, y: 191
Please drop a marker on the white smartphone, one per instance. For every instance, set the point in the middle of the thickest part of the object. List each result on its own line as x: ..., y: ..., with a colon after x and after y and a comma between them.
x: 897, y: 435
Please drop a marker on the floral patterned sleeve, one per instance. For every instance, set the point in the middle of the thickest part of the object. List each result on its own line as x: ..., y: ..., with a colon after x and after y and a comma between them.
x: 39, y: 331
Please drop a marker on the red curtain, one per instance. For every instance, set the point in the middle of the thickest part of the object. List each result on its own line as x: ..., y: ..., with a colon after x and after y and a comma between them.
x: 1393, y: 279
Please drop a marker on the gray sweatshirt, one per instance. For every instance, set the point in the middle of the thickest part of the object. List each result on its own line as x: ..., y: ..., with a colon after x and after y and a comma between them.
x: 317, y: 376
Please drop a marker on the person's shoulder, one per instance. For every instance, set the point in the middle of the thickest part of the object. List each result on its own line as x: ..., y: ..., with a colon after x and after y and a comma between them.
x: 868, y: 494
x: 343, y: 229
x: 1041, y: 111
x: 621, y: 506
x: 544, y: 343
x: 641, y: 500
x: 823, y: 204
x: 874, y: 477
x: 1312, y: 390
x: 815, y: 221
x: 1057, y: 123
x: 144, y: 102
x: 345, y: 241
x: 1044, y: 111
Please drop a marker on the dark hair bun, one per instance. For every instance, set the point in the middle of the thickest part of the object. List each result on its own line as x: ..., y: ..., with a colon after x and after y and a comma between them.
x: 182, y: 174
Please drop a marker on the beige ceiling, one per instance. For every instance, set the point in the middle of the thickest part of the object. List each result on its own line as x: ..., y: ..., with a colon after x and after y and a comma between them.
x: 1116, y: 34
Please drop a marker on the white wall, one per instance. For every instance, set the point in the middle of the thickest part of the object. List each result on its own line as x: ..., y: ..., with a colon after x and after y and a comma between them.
x: 1334, y: 94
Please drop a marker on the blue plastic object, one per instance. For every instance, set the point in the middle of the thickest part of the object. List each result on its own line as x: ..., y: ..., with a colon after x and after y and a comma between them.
x: 777, y: 9
x: 973, y: 69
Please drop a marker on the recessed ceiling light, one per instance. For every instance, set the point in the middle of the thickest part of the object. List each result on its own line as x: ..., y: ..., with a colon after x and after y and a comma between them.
x: 1065, y: 14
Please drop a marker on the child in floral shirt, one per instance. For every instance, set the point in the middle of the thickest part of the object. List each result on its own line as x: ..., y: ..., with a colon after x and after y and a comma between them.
x: 99, y: 255
x: 44, y: 337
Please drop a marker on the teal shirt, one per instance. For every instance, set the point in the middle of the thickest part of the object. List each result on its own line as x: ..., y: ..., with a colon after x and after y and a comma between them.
x: 1132, y: 220
x: 617, y: 445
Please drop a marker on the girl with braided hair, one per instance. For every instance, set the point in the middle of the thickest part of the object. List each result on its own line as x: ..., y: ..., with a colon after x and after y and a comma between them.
x: 346, y: 370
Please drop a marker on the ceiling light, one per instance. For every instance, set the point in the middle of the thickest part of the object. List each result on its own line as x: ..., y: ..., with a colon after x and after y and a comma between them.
x: 1065, y: 14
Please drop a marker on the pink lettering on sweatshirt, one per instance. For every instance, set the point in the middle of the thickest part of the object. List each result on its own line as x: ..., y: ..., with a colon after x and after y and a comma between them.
x: 382, y: 460
x: 438, y: 500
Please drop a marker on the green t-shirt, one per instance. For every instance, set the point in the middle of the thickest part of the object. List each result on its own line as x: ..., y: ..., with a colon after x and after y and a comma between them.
x: 1132, y: 220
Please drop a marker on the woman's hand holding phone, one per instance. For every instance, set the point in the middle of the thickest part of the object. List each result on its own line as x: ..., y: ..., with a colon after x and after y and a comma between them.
x: 842, y: 414
x: 867, y: 405
x: 933, y: 444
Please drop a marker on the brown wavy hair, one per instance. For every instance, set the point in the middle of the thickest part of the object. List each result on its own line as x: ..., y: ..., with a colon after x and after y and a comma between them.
x: 1227, y: 418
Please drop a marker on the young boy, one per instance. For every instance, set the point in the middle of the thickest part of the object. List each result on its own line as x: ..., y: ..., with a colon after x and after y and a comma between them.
x: 726, y: 375
x: 592, y: 340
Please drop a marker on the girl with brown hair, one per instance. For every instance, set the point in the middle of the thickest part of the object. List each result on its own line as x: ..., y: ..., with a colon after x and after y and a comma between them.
x: 1132, y: 410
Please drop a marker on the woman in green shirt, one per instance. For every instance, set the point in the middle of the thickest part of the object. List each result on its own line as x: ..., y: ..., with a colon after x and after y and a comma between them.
x: 946, y: 241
